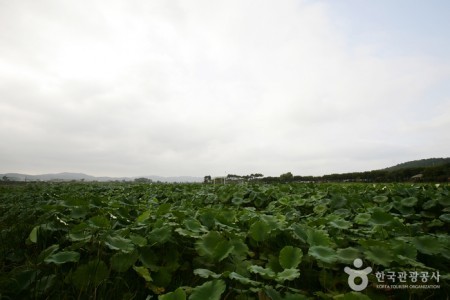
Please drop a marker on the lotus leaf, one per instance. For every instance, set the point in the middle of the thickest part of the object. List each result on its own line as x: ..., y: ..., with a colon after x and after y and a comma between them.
x: 205, y: 273
x: 63, y: 257
x: 264, y: 272
x: 79, y: 236
x: 320, y: 209
x: 243, y: 279
x: 214, y: 246
x: 379, y: 255
x: 271, y: 293
x: 380, y: 199
x: 444, y: 201
x: 239, y: 247
x: 194, y: 225
x: 348, y: 255
x: 430, y: 204
x: 297, y: 201
x: 406, y: 211
x: 90, y: 274
x: 322, y: 253
x: 226, y: 217
x: 259, y: 231
x: 79, y: 212
x: 341, y: 224
x: 402, y: 248
x: 274, y: 263
x: 409, y: 202
x: 287, y: 274
x: 296, y: 296
x: 342, y: 212
x: 207, y: 218
x: 427, y: 244
x: 159, y: 235
x: 162, y: 277
x: 435, y: 223
x: 47, y: 252
x: 163, y: 209
x: 362, y: 218
x: 149, y: 258
x: 121, y: 262
x: 74, y: 202
x: 237, y: 200
x: 178, y: 294
x: 143, y: 217
x: 290, y: 257
x: 428, y: 214
x: 338, y: 201
x: 99, y: 222
x: 138, y: 240
x: 210, y: 290
x: 318, y: 238
x: 119, y: 243
x: 285, y: 200
x: 445, y: 218
x: 185, y: 232
x: 34, y: 234
x: 300, y: 232
x: 380, y: 217
x: 143, y: 272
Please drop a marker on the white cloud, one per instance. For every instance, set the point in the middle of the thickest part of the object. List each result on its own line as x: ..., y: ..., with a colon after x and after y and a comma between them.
x: 206, y: 87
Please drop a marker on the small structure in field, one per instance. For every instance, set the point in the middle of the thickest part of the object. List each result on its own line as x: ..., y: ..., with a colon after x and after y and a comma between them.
x: 417, y: 177
x: 219, y: 180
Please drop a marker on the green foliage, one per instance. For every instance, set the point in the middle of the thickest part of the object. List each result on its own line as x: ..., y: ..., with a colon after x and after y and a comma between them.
x: 178, y: 294
x: 119, y: 243
x: 143, y: 272
x: 121, y: 262
x: 91, y: 274
x: 34, y: 234
x: 214, y: 246
x: 322, y: 253
x: 63, y: 257
x: 259, y: 231
x: 290, y: 257
x: 209, y: 290
x: 236, y: 241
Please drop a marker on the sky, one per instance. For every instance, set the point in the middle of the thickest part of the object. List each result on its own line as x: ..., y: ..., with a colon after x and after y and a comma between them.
x: 208, y: 87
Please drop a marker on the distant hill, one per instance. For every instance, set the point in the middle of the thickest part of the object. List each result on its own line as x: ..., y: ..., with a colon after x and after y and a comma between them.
x: 422, y: 163
x: 67, y: 176
x: 433, y: 169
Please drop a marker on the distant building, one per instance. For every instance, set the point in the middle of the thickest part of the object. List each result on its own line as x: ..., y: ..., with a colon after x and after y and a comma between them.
x: 417, y: 177
x: 219, y: 180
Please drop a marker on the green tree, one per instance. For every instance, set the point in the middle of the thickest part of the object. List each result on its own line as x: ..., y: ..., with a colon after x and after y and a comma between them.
x: 143, y: 180
x: 286, y: 177
x: 207, y: 179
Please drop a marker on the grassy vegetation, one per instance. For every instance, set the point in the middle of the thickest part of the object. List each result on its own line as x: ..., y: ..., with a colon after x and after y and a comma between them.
x: 238, y: 241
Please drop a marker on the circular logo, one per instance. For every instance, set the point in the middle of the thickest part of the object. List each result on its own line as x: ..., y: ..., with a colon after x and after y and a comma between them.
x: 353, y: 274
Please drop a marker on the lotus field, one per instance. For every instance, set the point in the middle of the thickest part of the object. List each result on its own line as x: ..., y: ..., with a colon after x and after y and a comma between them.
x: 236, y: 241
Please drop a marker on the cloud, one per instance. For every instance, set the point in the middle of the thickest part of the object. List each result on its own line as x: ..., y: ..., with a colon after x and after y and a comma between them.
x: 206, y: 87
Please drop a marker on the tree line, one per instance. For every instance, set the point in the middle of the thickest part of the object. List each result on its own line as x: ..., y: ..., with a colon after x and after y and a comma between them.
x: 440, y: 173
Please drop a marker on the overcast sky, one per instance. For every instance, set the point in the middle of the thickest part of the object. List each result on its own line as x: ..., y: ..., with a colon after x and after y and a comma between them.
x: 131, y: 88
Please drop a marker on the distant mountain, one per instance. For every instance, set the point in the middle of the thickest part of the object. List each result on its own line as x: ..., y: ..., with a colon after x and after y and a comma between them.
x: 66, y: 176
x: 429, y: 164
x: 422, y: 163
